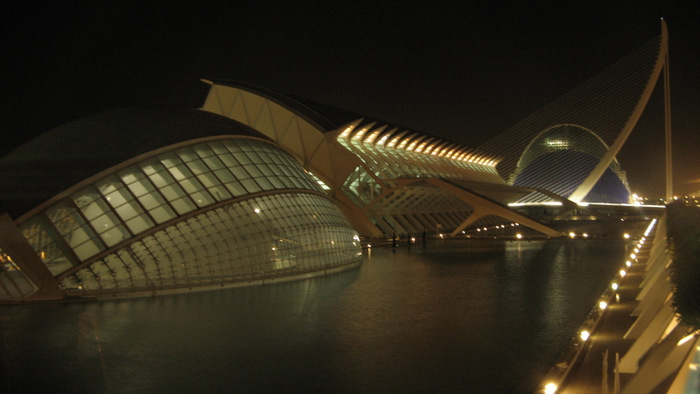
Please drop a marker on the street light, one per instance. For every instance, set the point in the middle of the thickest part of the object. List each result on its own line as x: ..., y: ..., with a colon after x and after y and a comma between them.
x: 550, y: 388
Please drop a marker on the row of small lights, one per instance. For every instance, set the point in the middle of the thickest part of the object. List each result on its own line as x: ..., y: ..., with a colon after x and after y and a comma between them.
x: 496, y: 227
x: 412, y: 240
x: 450, y: 151
x: 584, y: 335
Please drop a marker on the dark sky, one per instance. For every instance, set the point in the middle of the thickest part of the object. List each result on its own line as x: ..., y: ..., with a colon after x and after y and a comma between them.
x: 460, y: 72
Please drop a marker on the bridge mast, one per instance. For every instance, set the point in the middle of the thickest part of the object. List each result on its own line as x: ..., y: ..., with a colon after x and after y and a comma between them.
x: 667, y: 116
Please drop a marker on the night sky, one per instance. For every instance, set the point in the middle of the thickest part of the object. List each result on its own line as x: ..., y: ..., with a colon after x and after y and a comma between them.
x: 464, y: 73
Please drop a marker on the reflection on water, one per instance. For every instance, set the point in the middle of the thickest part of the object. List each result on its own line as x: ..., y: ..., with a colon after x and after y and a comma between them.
x: 465, y: 316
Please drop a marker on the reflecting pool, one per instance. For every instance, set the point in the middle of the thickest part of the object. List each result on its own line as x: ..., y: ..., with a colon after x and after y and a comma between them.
x: 455, y: 316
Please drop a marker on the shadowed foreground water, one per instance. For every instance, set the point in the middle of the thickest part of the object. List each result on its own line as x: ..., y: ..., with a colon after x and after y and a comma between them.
x: 459, y: 316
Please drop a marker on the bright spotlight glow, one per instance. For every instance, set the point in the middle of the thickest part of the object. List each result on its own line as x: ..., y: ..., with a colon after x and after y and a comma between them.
x: 584, y: 335
x: 257, y: 210
x: 634, y: 256
x: 614, y: 286
x: 623, y: 273
x: 628, y: 263
x: 550, y: 388
x: 519, y: 236
x: 627, y: 236
x: 603, y: 305
x: 685, y: 339
x: 636, y: 250
x: 572, y: 235
x: 649, y: 228
x: 585, y: 235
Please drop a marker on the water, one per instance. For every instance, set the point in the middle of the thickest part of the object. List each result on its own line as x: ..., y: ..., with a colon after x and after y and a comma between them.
x: 459, y: 316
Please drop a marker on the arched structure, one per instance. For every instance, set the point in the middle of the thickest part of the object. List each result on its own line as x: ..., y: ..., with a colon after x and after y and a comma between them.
x: 547, y: 161
x: 610, y: 104
x: 186, y: 200
x: 363, y: 161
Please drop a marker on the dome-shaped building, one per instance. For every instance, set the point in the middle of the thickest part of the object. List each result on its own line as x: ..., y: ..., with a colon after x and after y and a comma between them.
x: 145, y: 201
x: 560, y: 158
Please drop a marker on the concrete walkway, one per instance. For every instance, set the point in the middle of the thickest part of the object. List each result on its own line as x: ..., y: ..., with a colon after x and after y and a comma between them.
x: 587, y: 375
x: 581, y: 367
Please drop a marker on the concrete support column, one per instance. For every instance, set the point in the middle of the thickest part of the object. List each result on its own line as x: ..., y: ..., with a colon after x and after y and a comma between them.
x: 23, y: 255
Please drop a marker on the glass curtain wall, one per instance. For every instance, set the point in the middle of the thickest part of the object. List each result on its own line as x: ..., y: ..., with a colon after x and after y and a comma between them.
x: 126, y: 230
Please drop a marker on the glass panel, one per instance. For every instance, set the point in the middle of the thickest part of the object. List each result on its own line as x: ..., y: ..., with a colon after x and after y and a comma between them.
x: 239, y: 173
x: 253, y: 171
x: 224, y: 175
x: 183, y: 205
x: 254, y: 158
x: 138, y: 183
x: 250, y: 186
x: 287, y: 182
x: 95, y: 208
x: 191, y: 185
x: 214, y: 163
x: 187, y: 154
x: 58, y: 212
x: 117, y: 198
x: 219, y: 193
x: 169, y: 159
x: 276, y: 183
x: 128, y: 211
x: 139, y: 224
x: 236, y: 189
x: 140, y: 188
x: 151, y: 166
x: 161, y: 179
x: 152, y: 200
x: 218, y: 147
x: 197, y: 167
x: 208, y: 180
x: 44, y: 242
x: 265, y: 170
x: 264, y: 184
x: 162, y: 214
x: 78, y: 236
x: 180, y: 172
x: 128, y: 175
x: 234, y: 146
x: 104, y: 222
x: 85, y: 197
x: 86, y: 250
x: 243, y: 159
x: 115, y: 235
x: 203, y: 150
x: 172, y: 192
x: 202, y: 198
x: 229, y: 161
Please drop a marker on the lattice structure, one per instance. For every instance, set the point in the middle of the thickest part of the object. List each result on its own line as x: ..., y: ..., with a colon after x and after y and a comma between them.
x: 608, y: 105
x: 373, y: 169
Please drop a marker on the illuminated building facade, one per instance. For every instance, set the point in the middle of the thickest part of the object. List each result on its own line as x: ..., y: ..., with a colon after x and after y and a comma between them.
x: 569, y: 147
x: 387, y: 179
x: 198, y: 201
x: 259, y: 186
x: 547, y: 164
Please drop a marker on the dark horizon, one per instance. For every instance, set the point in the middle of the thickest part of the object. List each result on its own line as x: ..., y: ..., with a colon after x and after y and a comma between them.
x: 464, y: 74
